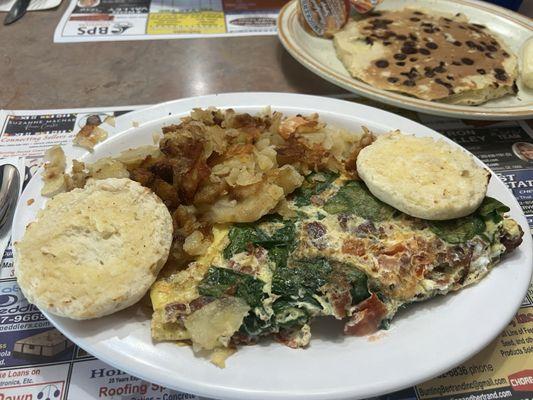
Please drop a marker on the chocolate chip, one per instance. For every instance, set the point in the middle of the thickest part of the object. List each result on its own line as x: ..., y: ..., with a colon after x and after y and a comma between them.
x: 457, y: 43
x: 500, y: 74
x: 413, y: 59
x: 382, y: 63
x: 414, y: 19
x: 409, y: 82
x: 429, y: 30
x: 432, y: 45
x: 429, y: 74
x: 437, y: 29
x: 462, y: 27
x: 481, y: 71
x: 491, y: 48
x: 409, y: 50
x: 494, y: 42
x: 369, y: 41
x: 400, y: 56
x: 385, y: 43
x: 480, y: 48
x: 413, y: 37
x: 450, y: 78
x: 448, y: 20
x: 392, y: 79
x: 467, y: 61
x: 445, y: 84
x: 474, y: 29
x: 440, y: 69
x: 418, y: 13
x: 456, y: 63
x: 410, y: 43
x: 412, y: 74
x: 380, y: 23
x: 425, y: 52
x: 401, y: 37
x: 479, y: 26
x: 505, y: 54
x: 400, y: 63
x: 470, y: 44
x: 489, y: 55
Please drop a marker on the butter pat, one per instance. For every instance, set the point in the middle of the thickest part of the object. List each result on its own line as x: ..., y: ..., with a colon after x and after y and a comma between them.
x: 526, y: 64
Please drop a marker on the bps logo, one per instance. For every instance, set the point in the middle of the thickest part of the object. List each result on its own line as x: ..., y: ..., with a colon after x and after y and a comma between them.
x: 115, y: 29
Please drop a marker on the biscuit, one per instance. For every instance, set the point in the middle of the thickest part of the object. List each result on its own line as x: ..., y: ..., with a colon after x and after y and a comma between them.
x: 94, y: 251
x: 423, y: 177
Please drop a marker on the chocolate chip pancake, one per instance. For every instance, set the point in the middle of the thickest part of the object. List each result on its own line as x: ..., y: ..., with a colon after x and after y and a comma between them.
x: 431, y: 57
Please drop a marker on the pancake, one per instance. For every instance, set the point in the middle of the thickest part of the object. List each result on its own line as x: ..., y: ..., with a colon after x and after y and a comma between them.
x: 430, y: 57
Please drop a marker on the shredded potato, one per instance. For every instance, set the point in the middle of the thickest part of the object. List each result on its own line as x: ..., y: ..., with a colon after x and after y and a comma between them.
x: 54, y: 177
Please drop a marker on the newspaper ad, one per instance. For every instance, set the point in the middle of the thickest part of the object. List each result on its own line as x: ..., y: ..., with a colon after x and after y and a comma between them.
x: 110, y: 20
x: 38, y: 362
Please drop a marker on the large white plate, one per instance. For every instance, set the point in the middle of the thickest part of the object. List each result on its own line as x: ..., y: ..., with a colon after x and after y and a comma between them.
x: 422, y: 342
x: 318, y: 55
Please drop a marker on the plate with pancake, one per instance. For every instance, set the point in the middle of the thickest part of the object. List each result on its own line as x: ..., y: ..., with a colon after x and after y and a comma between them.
x: 423, y: 341
x: 457, y: 58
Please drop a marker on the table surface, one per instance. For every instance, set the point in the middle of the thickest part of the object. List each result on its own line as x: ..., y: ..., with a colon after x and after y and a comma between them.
x: 37, y: 73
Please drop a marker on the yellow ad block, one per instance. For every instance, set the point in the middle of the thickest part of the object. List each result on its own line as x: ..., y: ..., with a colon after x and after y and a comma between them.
x: 201, y: 22
x: 502, y: 369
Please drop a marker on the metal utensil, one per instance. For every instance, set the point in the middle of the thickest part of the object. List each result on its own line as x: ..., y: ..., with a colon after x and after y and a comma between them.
x: 17, y: 11
x: 9, y: 193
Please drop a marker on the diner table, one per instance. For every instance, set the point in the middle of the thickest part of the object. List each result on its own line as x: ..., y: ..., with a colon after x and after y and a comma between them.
x: 38, y: 74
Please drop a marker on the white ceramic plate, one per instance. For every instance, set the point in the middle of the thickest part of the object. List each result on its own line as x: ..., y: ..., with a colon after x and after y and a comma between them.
x: 426, y: 340
x: 318, y: 55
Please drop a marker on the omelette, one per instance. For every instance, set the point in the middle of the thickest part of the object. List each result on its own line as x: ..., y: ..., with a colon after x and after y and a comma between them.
x: 337, y: 252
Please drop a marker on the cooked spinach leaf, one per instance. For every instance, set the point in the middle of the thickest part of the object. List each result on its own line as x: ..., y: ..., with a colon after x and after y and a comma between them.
x: 458, y: 230
x: 288, y: 314
x: 492, y: 209
x: 359, y: 282
x: 300, y: 277
x: 490, y: 205
x: 253, y: 326
x: 241, y: 236
x: 279, y: 255
x: 314, y: 183
x: 355, y: 198
x: 219, y: 282
x: 462, y: 229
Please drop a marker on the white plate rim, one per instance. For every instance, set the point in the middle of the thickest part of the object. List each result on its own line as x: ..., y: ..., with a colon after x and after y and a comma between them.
x: 286, y: 19
x: 276, y: 100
